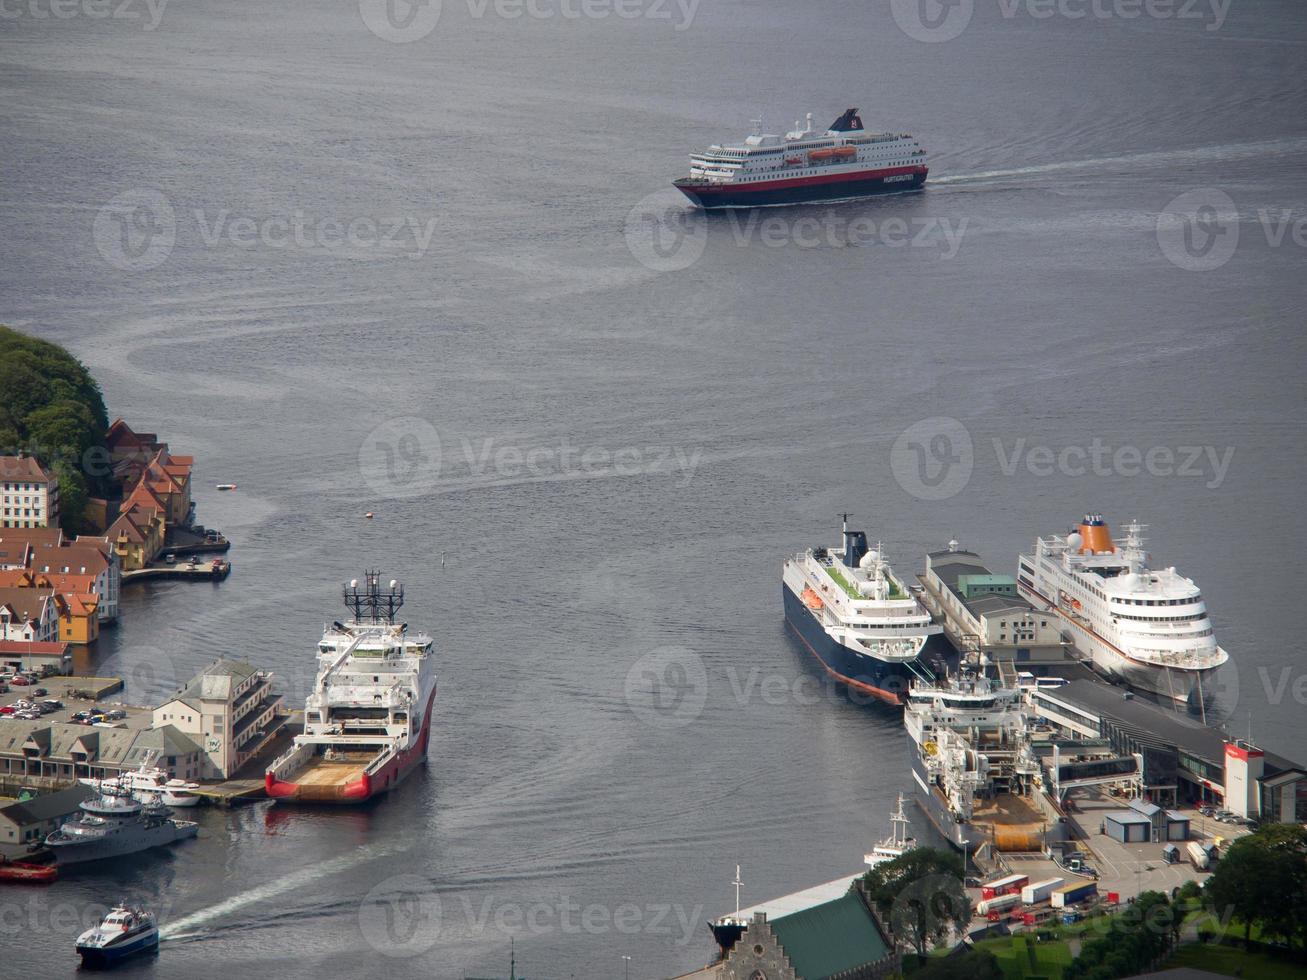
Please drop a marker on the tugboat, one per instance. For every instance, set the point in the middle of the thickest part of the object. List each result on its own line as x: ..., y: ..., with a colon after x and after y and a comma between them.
x: 126, y: 931
x: 843, y: 162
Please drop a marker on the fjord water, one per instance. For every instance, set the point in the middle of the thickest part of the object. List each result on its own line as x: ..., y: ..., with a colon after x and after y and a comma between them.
x: 622, y: 716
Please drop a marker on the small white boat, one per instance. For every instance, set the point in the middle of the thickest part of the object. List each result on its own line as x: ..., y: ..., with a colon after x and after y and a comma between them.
x: 226, y: 486
x: 125, y: 931
x: 150, y: 784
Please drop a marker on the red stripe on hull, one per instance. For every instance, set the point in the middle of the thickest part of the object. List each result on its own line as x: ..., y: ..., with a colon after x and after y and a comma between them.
x: 787, y: 184
x: 366, y: 786
x: 887, y: 696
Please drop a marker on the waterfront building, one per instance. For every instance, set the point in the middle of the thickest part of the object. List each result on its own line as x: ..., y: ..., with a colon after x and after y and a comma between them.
x: 230, y: 710
x: 29, y: 493
x: 66, y: 751
x: 25, y: 822
x: 838, y: 938
x: 28, y: 615
x: 19, y: 655
x: 982, y: 612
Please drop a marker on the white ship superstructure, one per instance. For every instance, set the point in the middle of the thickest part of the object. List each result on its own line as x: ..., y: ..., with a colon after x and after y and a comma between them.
x: 367, y: 720
x: 1146, y: 627
x: 857, y: 617
x: 843, y: 161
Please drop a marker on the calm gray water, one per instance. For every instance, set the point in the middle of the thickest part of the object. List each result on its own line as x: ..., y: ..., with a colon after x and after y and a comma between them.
x: 732, y: 386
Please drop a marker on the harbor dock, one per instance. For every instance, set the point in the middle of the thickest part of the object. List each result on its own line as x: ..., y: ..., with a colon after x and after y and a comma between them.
x: 215, y: 569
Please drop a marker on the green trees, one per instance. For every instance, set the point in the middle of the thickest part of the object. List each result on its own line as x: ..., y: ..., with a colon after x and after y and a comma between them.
x: 919, y: 896
x: 51, y: 408
x: 1262, y: 879
x: 1136, y: 938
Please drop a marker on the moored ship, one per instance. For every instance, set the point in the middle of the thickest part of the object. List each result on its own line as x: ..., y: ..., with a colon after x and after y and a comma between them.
x: 1148, y: 628
x: 841, y: 163
x: 857, y: 617
x: 114, y: 824
x: 972, y: 760
x: 367, y: 721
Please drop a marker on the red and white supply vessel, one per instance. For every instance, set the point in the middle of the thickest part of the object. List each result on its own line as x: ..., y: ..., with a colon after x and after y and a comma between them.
x: 367, y: 721
x: 843, y: 162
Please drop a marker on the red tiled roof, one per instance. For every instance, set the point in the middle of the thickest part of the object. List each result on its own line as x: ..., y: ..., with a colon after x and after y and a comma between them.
x: 22, y: 468
x: 34, y: 646
x: 125, y: 527
x: 78, y: 561
x: 26, y: 603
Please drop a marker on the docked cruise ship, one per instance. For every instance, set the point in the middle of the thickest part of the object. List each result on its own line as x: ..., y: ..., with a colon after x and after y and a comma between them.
x: 1148, y: 628
x: 843, y: 162
x: 367, y: 721
x: 971, y: 758
x: 856, y: 617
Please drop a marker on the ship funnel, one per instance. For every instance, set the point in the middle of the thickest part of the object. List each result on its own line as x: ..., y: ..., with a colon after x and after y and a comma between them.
x: 855, y: 546
x: 1095, y: 538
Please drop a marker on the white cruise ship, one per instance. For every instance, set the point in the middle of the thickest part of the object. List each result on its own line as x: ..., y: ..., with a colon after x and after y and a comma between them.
x: 1146, y: 627
x: 843, y: 162
x: 367, y: 722
x: 857, y: 617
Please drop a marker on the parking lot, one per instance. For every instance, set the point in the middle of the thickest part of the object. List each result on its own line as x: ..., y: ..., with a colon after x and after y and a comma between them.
x: 1129, y: 869
x: 71, y: 693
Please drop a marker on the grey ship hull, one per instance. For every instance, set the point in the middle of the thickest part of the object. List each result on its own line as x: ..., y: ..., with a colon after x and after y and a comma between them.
x: 129, y: 841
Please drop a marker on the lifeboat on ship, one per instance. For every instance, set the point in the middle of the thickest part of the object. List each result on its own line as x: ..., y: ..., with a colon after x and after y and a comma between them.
x: 793, y: 161
x: 836, y: 154
x: 812, y: 600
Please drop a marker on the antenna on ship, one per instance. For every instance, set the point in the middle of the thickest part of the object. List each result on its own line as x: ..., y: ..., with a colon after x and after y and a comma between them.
x: 738, y: 884
x: 757, y: 126
x: 369, y: 603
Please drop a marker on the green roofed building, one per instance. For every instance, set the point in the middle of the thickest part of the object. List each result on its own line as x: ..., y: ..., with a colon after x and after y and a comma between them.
x: 836, y: 940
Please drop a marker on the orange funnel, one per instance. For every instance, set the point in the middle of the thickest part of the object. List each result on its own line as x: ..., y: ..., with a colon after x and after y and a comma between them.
x: 1095, y: 538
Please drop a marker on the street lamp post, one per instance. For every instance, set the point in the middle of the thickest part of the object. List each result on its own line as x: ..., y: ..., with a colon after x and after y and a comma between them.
x: 626, y: 963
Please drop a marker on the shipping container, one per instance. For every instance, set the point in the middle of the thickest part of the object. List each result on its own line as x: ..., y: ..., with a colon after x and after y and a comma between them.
x: 1040, y: 890
x: 1073, y: 893
x: 998, y: 903
x: 1010, y: 885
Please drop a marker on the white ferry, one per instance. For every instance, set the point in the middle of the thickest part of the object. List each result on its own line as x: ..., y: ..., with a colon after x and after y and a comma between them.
x: 843, y: 162
x: 857, y: 617
x: 368, y: 720
x: 1148, y: 628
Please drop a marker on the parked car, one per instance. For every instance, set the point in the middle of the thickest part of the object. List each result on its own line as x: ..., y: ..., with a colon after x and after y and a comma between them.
x: 170, y: 558
x: 79, y: 716
x: 40, y: 692
x: 117, y: 714
x: 54, y: 703
x: 20, y: 681
x: 7, y: 710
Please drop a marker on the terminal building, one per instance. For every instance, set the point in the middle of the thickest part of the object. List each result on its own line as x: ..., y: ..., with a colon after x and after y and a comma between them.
x: 982, y: 613
x: 1183, y: 761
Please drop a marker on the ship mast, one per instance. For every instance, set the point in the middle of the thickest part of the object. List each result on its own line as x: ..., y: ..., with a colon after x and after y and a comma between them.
x: 370, y: 604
